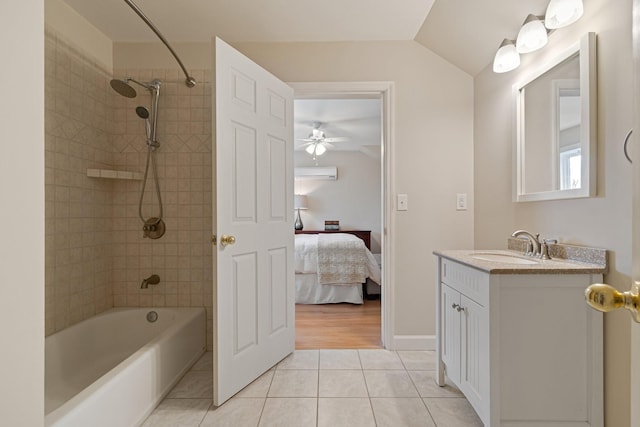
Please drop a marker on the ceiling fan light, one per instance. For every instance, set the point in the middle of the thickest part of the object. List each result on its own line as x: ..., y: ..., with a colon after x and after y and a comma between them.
x: 532, y: 35
x: 310, y: 148
x: 320, y: 149
x: 507, y: 57
x: 561, y: 13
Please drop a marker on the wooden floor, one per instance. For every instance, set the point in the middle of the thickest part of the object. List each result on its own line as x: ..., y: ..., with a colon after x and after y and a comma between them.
x: 326, y: 326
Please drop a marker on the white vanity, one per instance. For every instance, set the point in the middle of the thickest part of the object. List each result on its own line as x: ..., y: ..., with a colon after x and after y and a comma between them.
x: 515, y: 336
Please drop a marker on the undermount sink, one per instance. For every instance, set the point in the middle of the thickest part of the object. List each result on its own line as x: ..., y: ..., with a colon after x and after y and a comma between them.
x: 504, y: 258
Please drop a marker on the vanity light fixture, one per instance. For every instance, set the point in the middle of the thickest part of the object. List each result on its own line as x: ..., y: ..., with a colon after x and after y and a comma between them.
x: 532, y: 35
x: 561, y: 13
x: 507, y: 57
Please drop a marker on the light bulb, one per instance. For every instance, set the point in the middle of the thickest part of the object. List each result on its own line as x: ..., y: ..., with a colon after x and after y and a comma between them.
x: 561, y: 13
x: 310, y: 148
x: 507, y: 58
x: 320, y: 149
x: 532, y: 35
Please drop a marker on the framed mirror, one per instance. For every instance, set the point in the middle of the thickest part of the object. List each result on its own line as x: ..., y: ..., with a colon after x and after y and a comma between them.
x: 556, y: 127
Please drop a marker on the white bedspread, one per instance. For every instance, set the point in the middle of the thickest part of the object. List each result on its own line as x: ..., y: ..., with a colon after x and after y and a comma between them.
x: 306, y: 255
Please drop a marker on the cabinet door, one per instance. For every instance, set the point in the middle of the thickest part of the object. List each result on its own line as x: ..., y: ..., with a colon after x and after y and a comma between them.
x: 474, y: 341
x: 451, y: 332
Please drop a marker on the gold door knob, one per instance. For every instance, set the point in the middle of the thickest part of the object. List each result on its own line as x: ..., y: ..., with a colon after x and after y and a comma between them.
x: 227, y: 240
x: 606, y: 298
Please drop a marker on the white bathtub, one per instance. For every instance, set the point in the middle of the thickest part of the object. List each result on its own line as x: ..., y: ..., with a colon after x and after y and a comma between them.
x: 114, y: 368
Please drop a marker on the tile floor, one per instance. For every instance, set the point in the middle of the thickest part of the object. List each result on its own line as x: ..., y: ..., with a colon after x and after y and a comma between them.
x: 321, y: 388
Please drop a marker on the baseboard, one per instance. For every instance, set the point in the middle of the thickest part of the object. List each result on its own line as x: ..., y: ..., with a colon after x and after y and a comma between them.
x: 412, y: 342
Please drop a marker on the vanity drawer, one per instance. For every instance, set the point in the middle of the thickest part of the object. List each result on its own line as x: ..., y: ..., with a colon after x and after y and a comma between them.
x: 466, y: 280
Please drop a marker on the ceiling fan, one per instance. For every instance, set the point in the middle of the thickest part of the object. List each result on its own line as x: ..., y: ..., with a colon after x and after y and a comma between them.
x: 317, y: 142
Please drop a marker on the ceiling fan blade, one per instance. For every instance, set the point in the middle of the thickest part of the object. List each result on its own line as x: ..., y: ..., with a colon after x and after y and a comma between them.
x: 336, y: 139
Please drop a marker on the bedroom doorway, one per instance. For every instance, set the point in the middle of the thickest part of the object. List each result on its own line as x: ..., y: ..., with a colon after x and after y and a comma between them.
x: 345, y: 127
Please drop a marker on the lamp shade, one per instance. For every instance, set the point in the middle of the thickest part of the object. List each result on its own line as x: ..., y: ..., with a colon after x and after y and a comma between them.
x: 300, y: 201
x: 507, y: 57
x: 561, y: 13
x: 532, y: 35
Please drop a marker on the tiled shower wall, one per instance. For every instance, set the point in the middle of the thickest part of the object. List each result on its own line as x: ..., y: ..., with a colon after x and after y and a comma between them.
x: 183, y: 256
x: 96, y: 253
x: 78, y: 119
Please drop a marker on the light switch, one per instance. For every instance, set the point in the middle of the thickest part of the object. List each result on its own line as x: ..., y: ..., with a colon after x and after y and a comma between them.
x: 461, y: 202
x: 403, y: 202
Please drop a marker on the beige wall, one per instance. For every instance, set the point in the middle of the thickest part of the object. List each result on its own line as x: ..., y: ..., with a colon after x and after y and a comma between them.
x: 603, y: 221
x: 22, y: 213
x: 71, y: 25
x: 354, y: 198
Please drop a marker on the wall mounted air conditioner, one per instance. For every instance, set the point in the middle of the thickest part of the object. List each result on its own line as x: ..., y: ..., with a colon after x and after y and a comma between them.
x: 325, y: 173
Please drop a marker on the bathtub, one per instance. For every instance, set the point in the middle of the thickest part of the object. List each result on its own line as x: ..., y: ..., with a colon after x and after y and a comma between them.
x: 114, y: 368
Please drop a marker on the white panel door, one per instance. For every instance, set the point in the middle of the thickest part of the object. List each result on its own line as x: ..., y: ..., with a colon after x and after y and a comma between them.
x: 254, y: 324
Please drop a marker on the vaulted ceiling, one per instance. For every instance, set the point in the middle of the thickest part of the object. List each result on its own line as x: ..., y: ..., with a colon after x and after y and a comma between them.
x: 464, y: 32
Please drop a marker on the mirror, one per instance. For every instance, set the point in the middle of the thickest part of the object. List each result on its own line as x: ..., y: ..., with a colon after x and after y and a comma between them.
x: 556, y: 133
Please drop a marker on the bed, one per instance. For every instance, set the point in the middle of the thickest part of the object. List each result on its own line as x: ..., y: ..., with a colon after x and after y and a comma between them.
x: 331, y: 268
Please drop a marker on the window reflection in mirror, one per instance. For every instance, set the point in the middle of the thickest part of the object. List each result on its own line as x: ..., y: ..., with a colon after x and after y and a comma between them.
x: 552, y: 132
x: 556, y: 127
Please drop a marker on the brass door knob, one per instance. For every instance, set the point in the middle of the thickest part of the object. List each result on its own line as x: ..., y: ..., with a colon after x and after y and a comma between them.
x: 606, y: 298
x: 227, y: 240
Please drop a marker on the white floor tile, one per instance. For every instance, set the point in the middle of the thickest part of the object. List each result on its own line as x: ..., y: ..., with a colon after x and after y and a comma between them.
x: 300, y: 359
x: 340, y: 412
x: 339, y: 359
x: 258, y: 388
x: 404, y: 412
x: 205, y: 363
x: 235, y: 413
x: 425, y: 382
x: 178, y: 413
x: 284, y: 412
x: 390, y: 384
x: 380, y: 359
x: 294, y: 383
x: 342, y: 383
x: 323, y: 388
x: 452, y: 412
x: 195, y: 384
x: 418, y: 360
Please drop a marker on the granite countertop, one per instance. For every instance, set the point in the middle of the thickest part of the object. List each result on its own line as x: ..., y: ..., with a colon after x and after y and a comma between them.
x: 586, y: 262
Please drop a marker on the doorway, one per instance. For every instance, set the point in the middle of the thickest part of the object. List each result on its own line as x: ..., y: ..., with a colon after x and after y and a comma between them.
x: 349, y: 325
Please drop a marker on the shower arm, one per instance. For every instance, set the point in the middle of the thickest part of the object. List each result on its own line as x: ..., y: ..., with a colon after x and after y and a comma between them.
x: 189, y: 81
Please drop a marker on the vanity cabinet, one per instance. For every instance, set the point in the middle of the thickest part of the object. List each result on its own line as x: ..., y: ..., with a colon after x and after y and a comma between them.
x: 523, y: 347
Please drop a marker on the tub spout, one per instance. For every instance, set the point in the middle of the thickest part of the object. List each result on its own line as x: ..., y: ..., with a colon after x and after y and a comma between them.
x: 154, y: 279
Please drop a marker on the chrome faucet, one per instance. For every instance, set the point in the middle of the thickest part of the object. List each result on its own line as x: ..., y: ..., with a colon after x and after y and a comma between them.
x: 533, y: 243
x: 154, y: 279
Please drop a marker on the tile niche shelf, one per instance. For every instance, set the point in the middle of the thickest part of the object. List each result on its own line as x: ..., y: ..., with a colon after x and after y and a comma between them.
x: 113, y: 174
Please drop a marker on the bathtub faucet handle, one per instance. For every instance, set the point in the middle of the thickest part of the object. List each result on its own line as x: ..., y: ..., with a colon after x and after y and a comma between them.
x: 154, y: 279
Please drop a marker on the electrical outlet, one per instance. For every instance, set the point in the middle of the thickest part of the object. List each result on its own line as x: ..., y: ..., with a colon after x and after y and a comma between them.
x: 403, y: 202
x: 461, y: 202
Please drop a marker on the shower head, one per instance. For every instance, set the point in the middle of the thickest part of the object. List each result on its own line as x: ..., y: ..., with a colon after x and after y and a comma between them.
x: 142, y: 112
x: 123, y: 88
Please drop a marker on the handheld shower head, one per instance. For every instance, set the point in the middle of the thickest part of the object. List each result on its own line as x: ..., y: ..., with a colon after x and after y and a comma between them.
x: 142, y: 112
x: 123, y: 88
